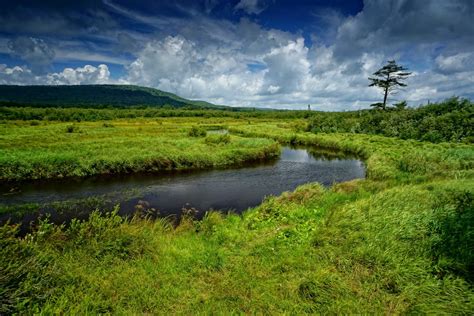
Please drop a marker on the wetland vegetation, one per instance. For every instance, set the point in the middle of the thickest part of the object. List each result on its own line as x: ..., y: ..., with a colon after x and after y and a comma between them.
x: 399, y: 241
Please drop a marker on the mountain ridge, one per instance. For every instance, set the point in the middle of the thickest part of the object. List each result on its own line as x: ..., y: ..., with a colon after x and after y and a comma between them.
x: 96, y: 95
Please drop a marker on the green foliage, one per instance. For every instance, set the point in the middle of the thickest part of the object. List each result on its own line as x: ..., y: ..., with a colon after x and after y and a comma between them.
x: 94, y: 96
x: 398, y: 242
x: 77, y: 114
x: 402, y: 105
x: 58, y: 150
x: 448, y: 121
x: 388, y: 78
x: 453, y: 233
x: 378, y: 105
x: 26, y: 275
x: 218, y: 139
x: 72, y: 129
x: 197, y: 131
x: 356, y: 246
x: 386, y: 158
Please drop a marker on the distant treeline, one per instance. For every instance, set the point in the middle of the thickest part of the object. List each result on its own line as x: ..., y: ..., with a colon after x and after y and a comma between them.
x: 448, y: 121
x: 95, y: 114
x: 93, y: 96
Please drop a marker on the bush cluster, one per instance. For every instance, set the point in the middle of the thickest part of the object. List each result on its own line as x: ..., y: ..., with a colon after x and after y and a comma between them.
x: 197, y: 131
x: 448, y: 121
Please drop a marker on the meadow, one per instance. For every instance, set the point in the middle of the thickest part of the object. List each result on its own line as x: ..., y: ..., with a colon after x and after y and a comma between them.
x: 399, y: 241
x: 32, y: 150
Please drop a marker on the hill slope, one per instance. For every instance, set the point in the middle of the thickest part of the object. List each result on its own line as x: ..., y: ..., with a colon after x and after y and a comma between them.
x: 94, y: 96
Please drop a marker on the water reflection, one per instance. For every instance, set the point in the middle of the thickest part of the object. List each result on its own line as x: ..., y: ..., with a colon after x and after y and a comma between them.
x: 230, y: 189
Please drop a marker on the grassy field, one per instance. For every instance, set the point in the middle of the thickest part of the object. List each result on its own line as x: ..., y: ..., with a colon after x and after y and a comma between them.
x: 400, y: 241
x: 55, y: 150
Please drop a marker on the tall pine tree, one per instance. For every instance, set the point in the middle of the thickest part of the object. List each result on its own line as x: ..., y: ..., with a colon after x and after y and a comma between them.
x: 389, y: 78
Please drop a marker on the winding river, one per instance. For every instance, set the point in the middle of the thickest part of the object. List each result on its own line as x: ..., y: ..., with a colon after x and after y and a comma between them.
x: 169, y: 193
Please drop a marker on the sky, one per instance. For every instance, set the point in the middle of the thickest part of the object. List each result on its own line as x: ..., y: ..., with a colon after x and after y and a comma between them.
x: 258, y: 53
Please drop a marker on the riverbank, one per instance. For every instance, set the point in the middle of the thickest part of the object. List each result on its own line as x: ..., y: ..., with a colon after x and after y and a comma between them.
x: 54, y: 150
x: 167, y: 193
x: 387, y: 158
x: 398, y: 242
x: 354, y: 247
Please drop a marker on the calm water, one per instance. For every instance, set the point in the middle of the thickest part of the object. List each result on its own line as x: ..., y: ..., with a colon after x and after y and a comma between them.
x: 227, y: 190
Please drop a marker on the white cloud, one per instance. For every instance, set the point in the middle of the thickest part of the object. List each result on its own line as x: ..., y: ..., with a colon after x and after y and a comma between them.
x: 251, y: 6
x: 289, y: 73
x: 244, y: 64
x: 81, y: 75
x: 461, y: 62
x: 22, y: 75
x: 179, y: 65
x: 15, y: 75
x: 429, y: 85
x: 211, y: 60
x: 288, y: 66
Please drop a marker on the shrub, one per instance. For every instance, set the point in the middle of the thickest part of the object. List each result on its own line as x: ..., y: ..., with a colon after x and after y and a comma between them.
x: 72, y: 129
x: 450, y: 120
x: 196, y: 131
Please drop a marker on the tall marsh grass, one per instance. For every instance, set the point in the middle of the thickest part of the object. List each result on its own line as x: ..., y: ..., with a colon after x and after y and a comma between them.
x: 399, y: 242
x: 58, y: 150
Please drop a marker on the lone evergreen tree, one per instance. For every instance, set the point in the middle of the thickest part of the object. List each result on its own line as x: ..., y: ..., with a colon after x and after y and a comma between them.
x: 389, y: 77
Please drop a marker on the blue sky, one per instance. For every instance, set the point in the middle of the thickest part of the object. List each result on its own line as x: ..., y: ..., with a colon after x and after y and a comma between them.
x: 264, y: 53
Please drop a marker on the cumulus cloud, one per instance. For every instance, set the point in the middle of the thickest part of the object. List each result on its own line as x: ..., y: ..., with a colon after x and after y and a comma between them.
x: 245, y: 64
x: 257, y: 67
x: 16, y: 75
x: 290, y: 73
x: 288, y: 67
x: 180, y: 65
x: 22, y: 75
x: 81, y: 75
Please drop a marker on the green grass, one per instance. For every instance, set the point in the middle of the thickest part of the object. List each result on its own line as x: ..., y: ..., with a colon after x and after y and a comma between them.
x: 387, y: 158
x: 399, y: 242
x: 56, y: 150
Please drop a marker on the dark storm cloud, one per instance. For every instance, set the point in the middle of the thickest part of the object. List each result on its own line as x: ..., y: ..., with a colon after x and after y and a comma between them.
x: 127, y: 42
x: 56, y: 18
x: 387, y: 26
x: 32, y: 50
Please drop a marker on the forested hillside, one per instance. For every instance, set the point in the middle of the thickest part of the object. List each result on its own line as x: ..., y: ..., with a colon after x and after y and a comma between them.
x: 93, y: 96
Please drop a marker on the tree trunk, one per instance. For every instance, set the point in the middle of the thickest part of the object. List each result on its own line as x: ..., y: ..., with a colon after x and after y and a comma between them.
x: 385, y: 98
